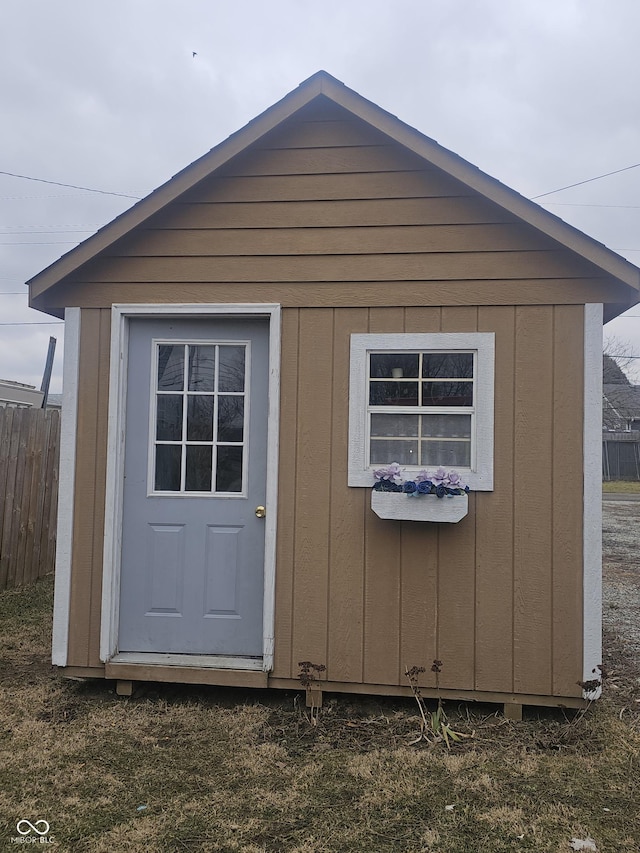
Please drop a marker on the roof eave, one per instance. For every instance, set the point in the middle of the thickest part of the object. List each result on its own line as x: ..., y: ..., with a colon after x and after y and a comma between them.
x: 323, y: 83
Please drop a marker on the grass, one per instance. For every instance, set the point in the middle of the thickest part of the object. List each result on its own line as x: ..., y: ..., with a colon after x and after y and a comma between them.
x: 627, y: 487
x: 177, y: 768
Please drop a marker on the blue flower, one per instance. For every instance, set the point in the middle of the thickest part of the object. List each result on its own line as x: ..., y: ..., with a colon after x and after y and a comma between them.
x: 440, y: 491
x: 409, y: 487
x: 424, y: 487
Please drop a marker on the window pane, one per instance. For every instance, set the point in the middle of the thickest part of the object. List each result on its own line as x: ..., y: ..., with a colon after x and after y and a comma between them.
x: 451, y: 365
x: 202, y: 362
x: 447, y: 393
x: 169, y: 417
x: 394, y: 425
x: 229, y: 469
x: 230, y: 418
x: 384, y: 452
x: 231, y: 368
x: 447, y: 426
x: 394, y: 365
x: 200, y: 418
x: 393, y: 393
x: 198, y: 474
x: 168, y: 461
x: 448, y: 454
x: 170, y: 367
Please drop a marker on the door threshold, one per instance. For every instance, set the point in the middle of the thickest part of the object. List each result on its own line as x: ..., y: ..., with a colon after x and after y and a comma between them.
x: 199, y: 661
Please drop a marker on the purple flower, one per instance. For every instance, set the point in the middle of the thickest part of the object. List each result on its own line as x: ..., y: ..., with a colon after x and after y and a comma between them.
x: 440, y: 476
x: 456, y: 481
x: 392, y: 473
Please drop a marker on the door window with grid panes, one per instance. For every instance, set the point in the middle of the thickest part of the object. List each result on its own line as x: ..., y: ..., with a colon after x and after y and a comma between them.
x: 199, y: 432
x: 424, y: 401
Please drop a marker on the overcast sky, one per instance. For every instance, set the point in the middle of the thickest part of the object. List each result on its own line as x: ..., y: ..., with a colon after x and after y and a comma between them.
x: 538, y: 93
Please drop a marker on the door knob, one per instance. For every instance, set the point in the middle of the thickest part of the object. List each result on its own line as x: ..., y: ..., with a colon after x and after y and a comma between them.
x: 261, y: 511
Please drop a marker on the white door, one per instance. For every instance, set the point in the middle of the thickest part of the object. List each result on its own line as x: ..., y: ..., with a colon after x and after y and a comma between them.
x: 192, y: 563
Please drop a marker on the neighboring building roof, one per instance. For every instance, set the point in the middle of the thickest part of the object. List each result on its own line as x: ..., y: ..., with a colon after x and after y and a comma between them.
x: 18, y: 394
x: 54, y: 401
x: 323, y: 85
x: 621, y: 406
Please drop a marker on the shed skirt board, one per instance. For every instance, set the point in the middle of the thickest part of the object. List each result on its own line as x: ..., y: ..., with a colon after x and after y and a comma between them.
x: 192, y: 561
x: 124, y: 670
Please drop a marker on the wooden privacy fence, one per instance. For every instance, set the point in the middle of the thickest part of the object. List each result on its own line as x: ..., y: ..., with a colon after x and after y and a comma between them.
x: 29, y: 451
x: 621, y: 456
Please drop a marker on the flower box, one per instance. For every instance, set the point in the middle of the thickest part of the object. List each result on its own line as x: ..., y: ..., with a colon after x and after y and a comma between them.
x: 400, y: 507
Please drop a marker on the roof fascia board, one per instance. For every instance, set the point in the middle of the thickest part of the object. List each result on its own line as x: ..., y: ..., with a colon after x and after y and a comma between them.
x: 479, y: 181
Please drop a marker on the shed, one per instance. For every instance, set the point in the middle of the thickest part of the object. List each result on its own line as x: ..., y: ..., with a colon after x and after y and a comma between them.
x: 326, y: 291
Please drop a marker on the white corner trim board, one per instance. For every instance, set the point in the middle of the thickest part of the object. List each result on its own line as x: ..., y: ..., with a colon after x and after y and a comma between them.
x: 120, y: 316
x: 66, y: 493
x: 592, y: 501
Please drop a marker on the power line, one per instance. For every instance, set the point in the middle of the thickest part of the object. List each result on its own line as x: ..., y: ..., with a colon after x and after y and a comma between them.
x: 611, y: 206
x: 35, y: 197
x: 588, y: 181
x: 70, y: 186
x: 55, y: 225
x: 25, y: 232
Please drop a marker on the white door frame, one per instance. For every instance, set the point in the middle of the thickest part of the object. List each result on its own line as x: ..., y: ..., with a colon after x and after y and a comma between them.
x: 110, y: 615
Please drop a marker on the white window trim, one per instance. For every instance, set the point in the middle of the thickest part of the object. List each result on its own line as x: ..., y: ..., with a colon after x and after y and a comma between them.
x: 480, y: 477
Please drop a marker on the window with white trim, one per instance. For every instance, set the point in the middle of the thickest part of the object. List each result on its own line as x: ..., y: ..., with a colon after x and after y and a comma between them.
x: 424, y: 401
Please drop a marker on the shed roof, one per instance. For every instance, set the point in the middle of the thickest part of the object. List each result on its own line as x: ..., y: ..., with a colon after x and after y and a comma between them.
x: 323, y: 85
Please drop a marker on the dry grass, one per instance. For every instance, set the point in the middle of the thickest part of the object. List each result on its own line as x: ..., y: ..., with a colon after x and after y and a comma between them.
x: 176, y: 769
x: 626, y: 487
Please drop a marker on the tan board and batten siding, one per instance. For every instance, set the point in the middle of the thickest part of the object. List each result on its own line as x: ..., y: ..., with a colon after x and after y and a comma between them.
x: 350, y: 232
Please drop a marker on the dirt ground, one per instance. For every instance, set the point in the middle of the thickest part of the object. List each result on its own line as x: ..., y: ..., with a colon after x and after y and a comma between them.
x: 621, y: 585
